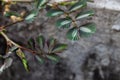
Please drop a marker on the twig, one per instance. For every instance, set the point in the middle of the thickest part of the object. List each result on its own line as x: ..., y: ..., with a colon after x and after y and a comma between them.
x: 17, y: 45
x: 29, y: 50
x: 12, y: 24
x: 8, y: 40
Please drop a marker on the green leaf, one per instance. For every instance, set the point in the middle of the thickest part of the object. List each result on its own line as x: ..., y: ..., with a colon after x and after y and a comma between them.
x: 67, y: 3
x: 51, y: 42
x: 78, y: 5
x: 53, y: 57
x: 31, y: 16
x: 39, y: 59
x: 54, y: 12
x: 72, y: 34
x: 87, y: 30
x: 66, y: 26
x: 25, y: 63
x: 85, y: 14
x: 31, y: 43
x: 40, y: 3
x: 59, y: 48
x: 8, y: 14
x: 61, y: 23
x: 21, y: 55
x: 41, y: 41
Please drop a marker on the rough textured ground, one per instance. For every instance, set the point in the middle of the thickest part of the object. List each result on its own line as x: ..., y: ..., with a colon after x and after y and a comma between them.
x: 93, y: 58
x: 107, y: 4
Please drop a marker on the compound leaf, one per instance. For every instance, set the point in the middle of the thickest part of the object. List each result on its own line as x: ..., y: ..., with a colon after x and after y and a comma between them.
x: 40, y: 3
x: 61, y: 23
x: 31, y: 43
x: 78, y: 5
x: 41, y: 41
x: 54, y: 12
x: 31, y: 16
x: 53, y: 57
x: 72, y: 34
x: 59, y: 48
x: 39, y: 59
x: 85, y: 14
x: 51, y: 42
x: 87, y: 30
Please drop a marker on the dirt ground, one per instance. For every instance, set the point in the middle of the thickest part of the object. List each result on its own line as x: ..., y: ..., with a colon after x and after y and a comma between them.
x: 93, y: 58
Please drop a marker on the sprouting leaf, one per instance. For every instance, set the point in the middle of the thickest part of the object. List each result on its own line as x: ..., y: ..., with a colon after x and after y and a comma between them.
x: 85, y: 14
x: 53, y: 57
x: 59, y: 48
x: 72, y: 34
x: 78, y: 5
x: 31, y: 16
x: 54, y: 12
x: 40, y: 3
x: 41, y: 41
x: 21, y: 55
x: 87, y: 30
x: 61, y: 23
x: 51, y: 42
x: 31, y: 43
x: 39, y: 59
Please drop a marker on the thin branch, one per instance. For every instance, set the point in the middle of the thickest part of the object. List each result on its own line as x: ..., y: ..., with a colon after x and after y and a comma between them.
x: 17, y: 45
x: 8, y: 40
x: 12, y: 23
x: 29, y: 50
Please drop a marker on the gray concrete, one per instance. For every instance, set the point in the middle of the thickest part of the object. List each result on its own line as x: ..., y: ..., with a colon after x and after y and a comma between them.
x: 106, y: 4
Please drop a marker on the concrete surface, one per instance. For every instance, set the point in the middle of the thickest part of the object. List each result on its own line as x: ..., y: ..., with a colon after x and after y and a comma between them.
x: 106, y: 4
